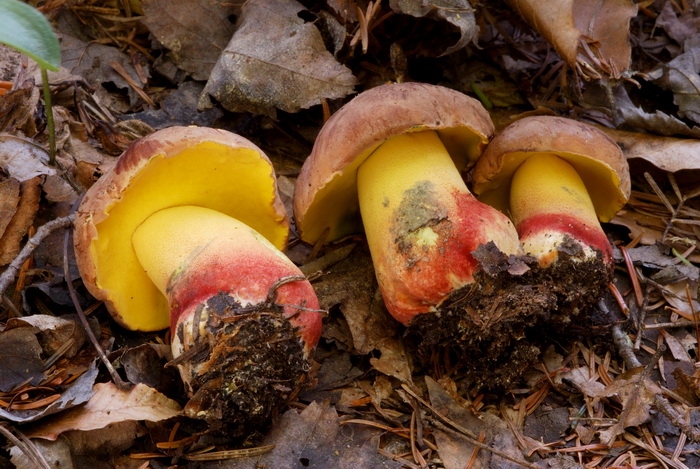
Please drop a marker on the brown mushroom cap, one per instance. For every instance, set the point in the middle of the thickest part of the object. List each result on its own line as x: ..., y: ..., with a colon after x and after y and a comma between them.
x: 172, y: 167
x: 594, y: 155
x: 326, y: 192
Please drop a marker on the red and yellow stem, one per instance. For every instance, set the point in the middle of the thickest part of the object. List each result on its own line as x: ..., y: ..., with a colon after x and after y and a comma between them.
x: 549, y: 201
x: 422, y: 223
x: 192, y: 254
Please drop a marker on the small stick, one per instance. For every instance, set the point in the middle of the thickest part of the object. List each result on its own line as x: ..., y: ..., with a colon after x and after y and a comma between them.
x: 624, y: 347
x: 26, y: 446
x: 83, y: 319
x: 29, y: 248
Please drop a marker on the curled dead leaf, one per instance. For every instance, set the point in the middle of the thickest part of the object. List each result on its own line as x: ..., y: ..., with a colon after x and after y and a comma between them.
x: 276, y: 60
x: 590, y: 35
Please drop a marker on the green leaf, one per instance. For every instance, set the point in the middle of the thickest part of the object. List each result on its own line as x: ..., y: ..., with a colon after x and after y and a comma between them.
x: 27, y: 30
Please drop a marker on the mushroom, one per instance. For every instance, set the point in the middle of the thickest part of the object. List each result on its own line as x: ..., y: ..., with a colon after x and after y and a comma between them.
x: 558, y: 178
x: 186, y: 231
x: 390, y: 160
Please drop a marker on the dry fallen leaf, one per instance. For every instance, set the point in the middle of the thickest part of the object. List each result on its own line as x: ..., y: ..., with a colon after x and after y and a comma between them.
x: 395, y: 360
x: 20, y: 358
x: 454, y: 450
x: 95, y: 63
x: 110, y: 405
x: 667, y: 153
x: 681, y: 77
x: 632, y: 116
x: 195, y: 32
x: 351, y: 285
x: 314, y: 439
x: 276, y: 60
x: 637, y: 393
x: 635, y: 390
x: 76, y: 393
x: 9, y: 198
x: 591, y: 35
x: 54, y: 332
x: 456, y: 12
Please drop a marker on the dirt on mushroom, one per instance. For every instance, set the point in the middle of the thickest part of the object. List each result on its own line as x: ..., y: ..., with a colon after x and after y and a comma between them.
x: 250, y: 367
x: 502, y: 322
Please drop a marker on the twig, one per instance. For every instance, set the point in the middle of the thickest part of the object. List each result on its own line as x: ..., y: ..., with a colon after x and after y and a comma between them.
x: 29, y: 248
x: 83, y: 319
x: 624, y: 347
x: 26, y: 446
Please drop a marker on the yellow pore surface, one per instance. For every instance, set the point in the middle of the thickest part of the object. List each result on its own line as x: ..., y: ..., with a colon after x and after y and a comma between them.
x: 172, y: 239
x: 547, y: 184
x: 236, y: 182
x: 398, y: 165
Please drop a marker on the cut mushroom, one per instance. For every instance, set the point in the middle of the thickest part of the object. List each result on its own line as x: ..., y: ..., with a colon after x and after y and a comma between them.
x: 185, y: 231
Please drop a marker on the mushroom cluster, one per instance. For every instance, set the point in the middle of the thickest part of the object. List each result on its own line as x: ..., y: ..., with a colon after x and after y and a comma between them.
x: 452, y: 267
x: 186, y: 232
x: 391, y: 161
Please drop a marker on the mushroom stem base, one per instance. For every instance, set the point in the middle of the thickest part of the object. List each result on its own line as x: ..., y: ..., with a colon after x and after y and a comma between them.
x: 246, y: 365
x: 498, y: 324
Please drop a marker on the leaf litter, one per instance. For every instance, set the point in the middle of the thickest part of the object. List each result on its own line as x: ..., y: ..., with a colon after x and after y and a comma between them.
x: 621, y: 398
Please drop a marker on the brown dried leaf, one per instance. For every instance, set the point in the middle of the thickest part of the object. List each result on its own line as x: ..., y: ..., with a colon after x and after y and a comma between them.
x: 454, y: 450
x: 456, y: 12
x: 314, y: 439
x: 633, y: 116
x: 276, y: 60
x: 587, y: 384
x: 604, y: 25
x: 347, y: 9
x: 395, y: 361
x: 22, y: 158
x: 111, y: 405
x: 667, y: 153
x: 76, y: 393
x: 54, y: 332
x: 637, y: 393
x: 30, y: 194
x: 351, y: 285
x: 679, y: 26
x: 20, y: 358
x: 91, y: 61
x: 195, y: 31
x: 9, y: 198
x: 681, y: 76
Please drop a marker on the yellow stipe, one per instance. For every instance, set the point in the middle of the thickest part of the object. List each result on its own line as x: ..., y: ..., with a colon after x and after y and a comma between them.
x: 169, y: 240
x: 547, y: 184
x: 399, y: 164
x: 236, y: 182
x: 603, y: 183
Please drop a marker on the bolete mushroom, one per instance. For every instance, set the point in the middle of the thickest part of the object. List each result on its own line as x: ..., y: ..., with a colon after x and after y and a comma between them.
x: 390, y: 160
x: 186, y: 231
x: 557, y: 178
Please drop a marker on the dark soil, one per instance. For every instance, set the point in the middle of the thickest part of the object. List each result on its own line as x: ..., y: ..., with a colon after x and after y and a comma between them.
x: 247, y: 369
x: 500, y: 323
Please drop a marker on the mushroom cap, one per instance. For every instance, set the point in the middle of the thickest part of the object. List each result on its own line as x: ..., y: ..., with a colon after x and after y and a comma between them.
x: 325, y: 197
x: 176, y: 166
x: 595, y: 156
